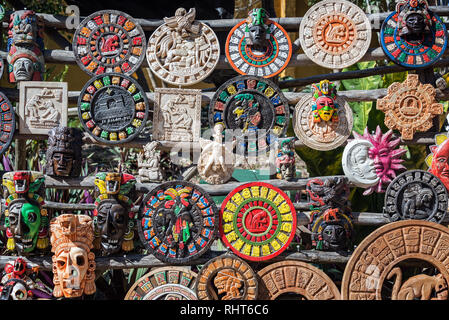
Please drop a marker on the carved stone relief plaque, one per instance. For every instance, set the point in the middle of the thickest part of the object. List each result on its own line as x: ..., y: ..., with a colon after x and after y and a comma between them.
x: 410, y: 106
x: 177, y: 114
x: 183, y: 51
x: 416, y: 194
x: 7, y: 123
x: 378, y: 267
x: 109, y: 41
x: 335, y: 33
x: 42, y: 106
x: 257, y: 221
x: 297, y: 278
x: 166, y: 283
x: 226, y: 277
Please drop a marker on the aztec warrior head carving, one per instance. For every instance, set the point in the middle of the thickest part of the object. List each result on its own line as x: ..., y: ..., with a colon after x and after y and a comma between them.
x: 324, y: 107
x: 257, y: 31
x: 414, y: 18
x: 25, y: 45
x: 64, y: 152
x: 73, y: 262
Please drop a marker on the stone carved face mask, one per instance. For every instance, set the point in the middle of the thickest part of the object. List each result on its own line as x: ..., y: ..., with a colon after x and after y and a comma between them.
x: 334, y: 237
x: 62, y: 163
x: 24, y: 223
x: 257, y: 31
x: 112, y: 224
x: 23, y: 69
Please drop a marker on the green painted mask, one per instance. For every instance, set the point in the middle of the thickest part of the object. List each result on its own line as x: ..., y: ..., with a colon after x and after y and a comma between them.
x: 24, y: 223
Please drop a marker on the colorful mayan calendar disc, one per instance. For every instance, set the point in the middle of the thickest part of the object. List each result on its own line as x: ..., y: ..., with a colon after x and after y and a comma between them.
x: 166, y: 283
x: 7, y: 123
x: 410, y: 41
x: 109, y: 41
x: 178, y: 222
x: 226, y: 277
x: 254, y: 108
x: 257, y: 221
x: 335, y: 34
x: 258, y: 46
x: 183, y: 51
x: 113, y: 108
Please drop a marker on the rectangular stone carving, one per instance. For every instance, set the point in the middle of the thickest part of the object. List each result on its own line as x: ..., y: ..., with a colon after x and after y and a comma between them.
x: 177, y: 114
x: 42, y: 106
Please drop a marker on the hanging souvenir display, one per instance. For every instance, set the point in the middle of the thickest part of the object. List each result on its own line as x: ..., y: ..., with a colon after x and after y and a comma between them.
x: 73, y: 262
x: 26, y: 220
x: 383, y: 154
x: 25, y: 46
x: 226, y: 277
x: 63, y: 154
x: 166, y: 283
x: 257, y: 221
x: 113, y: 108
x: 254, y: 108
x: 323, y: 121
x: 295, y: 279
x: 177, y: 221
x: 285, y: 160
x: 183, y: 51
x: 412, y: 35
x: 42, y: 106
x: 409, y: 106
x: 377, y: 270
x: 258, y: 46
x: 177, y: 114
x: 114, y: 218
x: 416, y: 194
x: 216, y: 162
x: 7, y: 123
x: 335, y: 34
x: 109, y: 41
x: 437, y: 161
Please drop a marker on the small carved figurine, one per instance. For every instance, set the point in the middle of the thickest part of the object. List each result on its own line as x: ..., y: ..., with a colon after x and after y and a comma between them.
x: 64, y: 152
x: 26, y: 221
x: 25, y: 45
x: 114, y: 219
x: 149, y: 163
x: 73, y: 262
x: 285, y: 160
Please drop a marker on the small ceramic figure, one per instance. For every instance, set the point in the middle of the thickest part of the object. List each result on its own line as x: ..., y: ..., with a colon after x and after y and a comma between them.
x: 149, y: 163
x: 285, y: 160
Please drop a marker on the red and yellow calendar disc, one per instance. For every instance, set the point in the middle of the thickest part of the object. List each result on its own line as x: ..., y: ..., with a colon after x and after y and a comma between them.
x: 257, y: 221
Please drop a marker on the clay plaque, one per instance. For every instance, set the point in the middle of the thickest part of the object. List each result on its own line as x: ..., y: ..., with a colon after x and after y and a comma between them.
x: 183, y: 51
x: 335, y: 34
x: 412, y: 35
x: 42, y: 106
x: 166, y: 283
x: 113, y: 108
x: 226, y: 277
x: 410, y: 106
x: 297, y: 278
x: 7, y: 123
x: 258, y: 46
x: 109, y: 41
x: 254, y: 108
x: 177, y: 222
x: 322, y: 121
x: 177, y: 114
x: 416, y: 194
x: 257, y: 221
x: 377, y: 269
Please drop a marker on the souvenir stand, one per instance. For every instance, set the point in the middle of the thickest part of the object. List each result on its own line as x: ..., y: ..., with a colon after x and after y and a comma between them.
x: 178, y: 222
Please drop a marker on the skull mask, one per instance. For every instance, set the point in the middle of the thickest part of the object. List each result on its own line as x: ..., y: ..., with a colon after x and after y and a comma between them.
x: 24, y: 220
x: 14, y: 289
